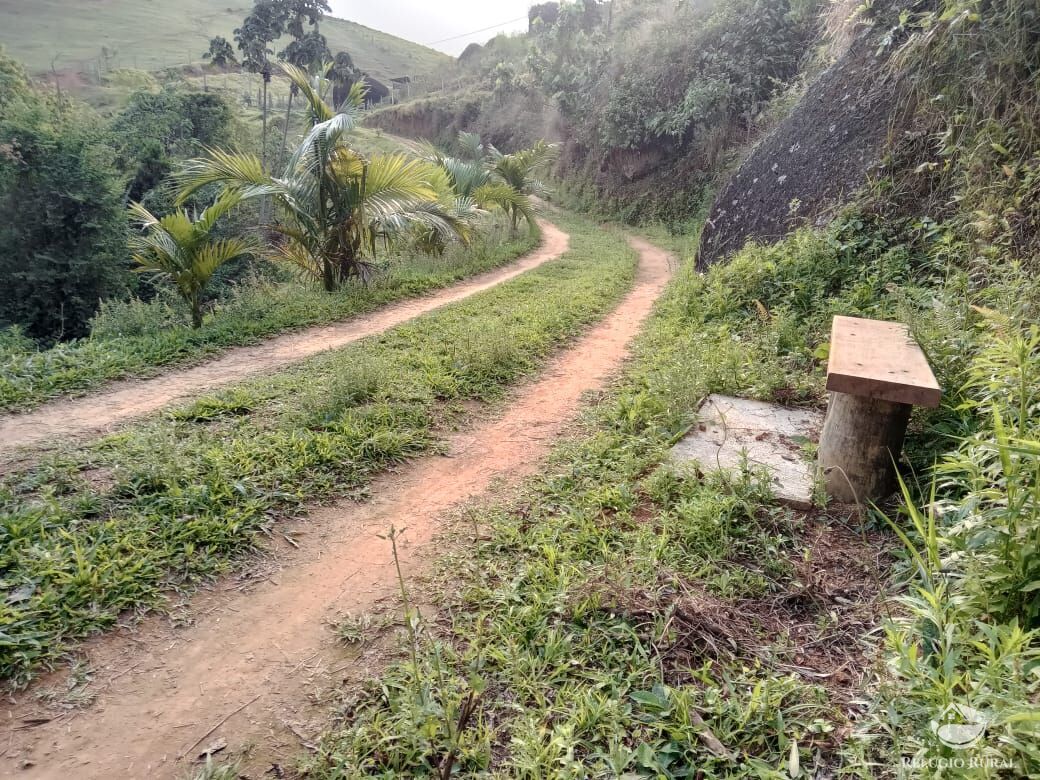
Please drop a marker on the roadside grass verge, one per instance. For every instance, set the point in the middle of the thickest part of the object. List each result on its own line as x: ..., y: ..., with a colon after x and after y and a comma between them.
x: 626, y: 619
x: 135, y: 339
x: 91, y: 534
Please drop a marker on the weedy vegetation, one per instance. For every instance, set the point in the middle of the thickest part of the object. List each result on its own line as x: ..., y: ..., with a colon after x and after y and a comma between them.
x: 628, y: 617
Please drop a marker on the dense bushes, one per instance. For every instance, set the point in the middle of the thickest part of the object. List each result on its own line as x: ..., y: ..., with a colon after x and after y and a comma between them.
x: 63, y: 235
x: 680, y: 74
x: 65, y: 178
x: 157, y: 128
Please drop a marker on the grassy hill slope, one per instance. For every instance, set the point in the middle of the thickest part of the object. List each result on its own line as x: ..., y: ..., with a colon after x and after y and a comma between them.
x: 154, y: 34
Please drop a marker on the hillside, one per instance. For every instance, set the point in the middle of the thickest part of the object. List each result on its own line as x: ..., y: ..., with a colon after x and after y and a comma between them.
x: 152, y: 35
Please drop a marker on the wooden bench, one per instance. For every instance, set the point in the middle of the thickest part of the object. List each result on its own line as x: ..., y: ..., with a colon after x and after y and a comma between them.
x: 876, y: 374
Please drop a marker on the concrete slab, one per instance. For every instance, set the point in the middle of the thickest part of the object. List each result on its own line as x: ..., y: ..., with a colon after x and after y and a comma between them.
x: 771, y: 436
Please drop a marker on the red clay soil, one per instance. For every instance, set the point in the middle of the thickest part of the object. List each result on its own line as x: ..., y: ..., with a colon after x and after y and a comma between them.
x: 122, y: 401
x: 258, y: 668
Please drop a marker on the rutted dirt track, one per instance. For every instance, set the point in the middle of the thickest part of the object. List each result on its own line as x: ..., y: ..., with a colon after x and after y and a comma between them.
x: 265, y: 659
x: 62, y: 420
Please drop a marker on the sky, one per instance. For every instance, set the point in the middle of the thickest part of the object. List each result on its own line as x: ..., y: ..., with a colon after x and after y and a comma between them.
x: 433, y: 22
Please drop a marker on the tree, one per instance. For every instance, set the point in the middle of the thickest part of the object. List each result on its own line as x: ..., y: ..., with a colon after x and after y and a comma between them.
x: 489, y: 179
x: 299, y: 12
x: 307, y: 52
x: 14, y: 80
x: 183, y: 250
x: 343, y: 74
x: 520, y: 171
x: 156, y: 128
x: 470, y: 52
x: 220, y: 53
x: 542, y: 16
x: 264, y: 25
x: 337, y: 205
x: 63, y: 234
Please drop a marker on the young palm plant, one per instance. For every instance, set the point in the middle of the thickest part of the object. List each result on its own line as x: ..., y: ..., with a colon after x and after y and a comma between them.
x: 521, y: 171
x: 336, y: 205
x: 475, y: 179
x: 492, y: 179
x: 183, y: 250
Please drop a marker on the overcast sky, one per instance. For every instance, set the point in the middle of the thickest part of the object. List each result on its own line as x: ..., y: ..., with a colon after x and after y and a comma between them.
x: 431, y: 22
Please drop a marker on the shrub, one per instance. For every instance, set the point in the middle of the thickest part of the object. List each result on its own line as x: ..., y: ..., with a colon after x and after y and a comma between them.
x: 63, y: 236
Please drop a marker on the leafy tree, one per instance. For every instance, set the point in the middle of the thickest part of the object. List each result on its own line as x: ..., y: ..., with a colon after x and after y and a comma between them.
x: 489, y: 179
x: 155, y: 129
x: 343, y: 74
x: 221, y: 53
x: 14, y: 80
x: 183, y: 250
x: 264, y: 25
x: 63, y: 233
x: 307, y: 51
x: 300, y: 12
x: 542, y: 16
x: 470, y: 52
x: 520, y: 171
x: 336, y: 204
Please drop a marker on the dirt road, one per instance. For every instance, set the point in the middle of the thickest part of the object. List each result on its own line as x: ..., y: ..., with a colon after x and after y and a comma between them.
x: 256, y: 667
x: 123, y: 401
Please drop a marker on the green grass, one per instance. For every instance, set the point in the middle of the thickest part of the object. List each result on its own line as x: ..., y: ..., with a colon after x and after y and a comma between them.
x: 157, y: 35
x: 145, y: 338
x: 622, y: 610
x: 90, y: 534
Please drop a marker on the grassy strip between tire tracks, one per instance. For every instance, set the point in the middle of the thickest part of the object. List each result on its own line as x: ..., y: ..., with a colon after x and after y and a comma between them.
x: 254, y: 311
x: 166, y: 503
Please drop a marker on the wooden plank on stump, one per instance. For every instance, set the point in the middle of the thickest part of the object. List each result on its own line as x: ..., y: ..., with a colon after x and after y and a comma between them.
x: 880, y: 360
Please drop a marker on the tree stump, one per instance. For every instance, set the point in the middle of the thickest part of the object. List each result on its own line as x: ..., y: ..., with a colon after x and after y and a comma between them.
x: 859, y: 446
x: 877, y: 373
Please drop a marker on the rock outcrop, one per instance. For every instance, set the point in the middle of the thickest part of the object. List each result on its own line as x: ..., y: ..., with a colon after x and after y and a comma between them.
x: 819, y: 156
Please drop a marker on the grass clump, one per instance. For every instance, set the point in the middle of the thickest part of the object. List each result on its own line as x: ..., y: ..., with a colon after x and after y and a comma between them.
x: 187, y: 492
x: 136, y: 339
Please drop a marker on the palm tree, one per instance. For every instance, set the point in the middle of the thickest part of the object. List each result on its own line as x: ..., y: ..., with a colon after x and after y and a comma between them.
x: 337, y: 205
x: 183, y: 250
x: 520, y: 171
x: 473, y: 178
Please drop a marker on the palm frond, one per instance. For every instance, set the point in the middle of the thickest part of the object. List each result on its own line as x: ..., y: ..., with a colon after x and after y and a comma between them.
x: 320, y: 110
x: 466, y: 176
x: 241, y: 172
x: 212, y: 255
x: 396, y: 182
x: 298, y: 254
x: 355, y: 99
x: 142, y: 215
x: 505, y: 197
x: 470, y: 146
x: 224, y: 203
x: 319, y: 145
x: 426, y: 150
